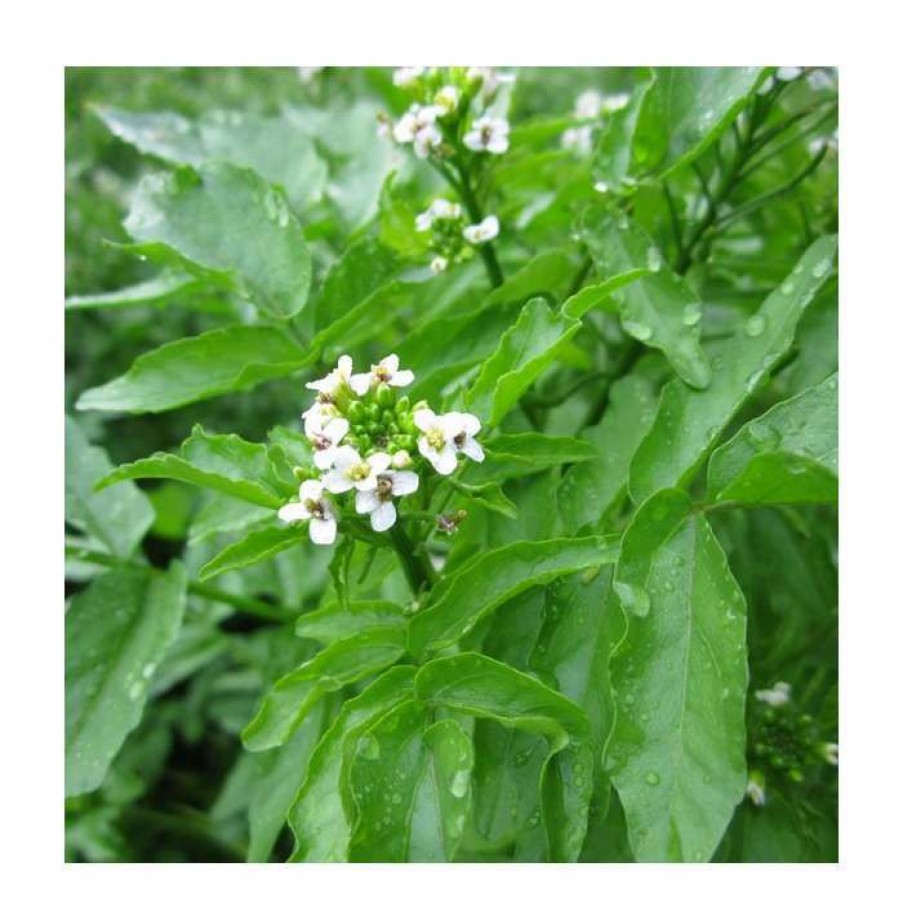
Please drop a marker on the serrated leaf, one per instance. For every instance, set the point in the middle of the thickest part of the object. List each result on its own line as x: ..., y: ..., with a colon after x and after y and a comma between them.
x: 256, y: 546
x: 410, y: 782
x: 470, y: 593
x: 187, y: 370
x: 287, y: 703
x: 688, y: 422
x: 476, y: 685
x: 524, y: 352
x: 657, y: 308
x: 229, y: 224
x: 590, y: 491
x: 685, y: 109
x: 118, y: 517
x: 788, y: 455
x: 224, y: 462
x: 677, y: 751
x: 337, y: 622
x: 117, y: 633
x: 318, y: 817
x: 273, y: 146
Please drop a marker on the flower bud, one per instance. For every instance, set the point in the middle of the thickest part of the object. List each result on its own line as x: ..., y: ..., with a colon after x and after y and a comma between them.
x: 406, y: 422
x: 373, y: 411
x: 356, y: 412
x: 384, y: 396
x: 403, y: 405
x: 401, y: 459
x: 388, y: 418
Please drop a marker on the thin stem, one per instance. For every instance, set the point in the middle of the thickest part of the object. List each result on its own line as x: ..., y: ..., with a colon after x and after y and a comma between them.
x: 475, y: 212
x: 418, y: 569
x: 245, y: 604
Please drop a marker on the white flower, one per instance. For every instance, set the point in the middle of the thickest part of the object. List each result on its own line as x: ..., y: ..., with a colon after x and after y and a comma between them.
x: 308, y: 73
x: 601, y: 187
x: 315, y: 508
x: 488, y: 134
x: 406, y: 75
x: 386, y: 371
x: 589, y: 104
x: 578, y: 139
x: 788, y: 73
x: 490, y: 77
x: 615, y: 102
x: 324, y: 411
x: 439, y: 264
x: 447, y: 99
x: 330, y: 384
x: 829, y: 753
x: 378, y: 502
x: 350, y: 471
x: 325, y: 434
x: 482, y: 232
x: 777, y: 696
x: 445, y: 435
x: 418, y: 125
x: 440, y: 208
x: 755, y: 792
x: 401, y: 460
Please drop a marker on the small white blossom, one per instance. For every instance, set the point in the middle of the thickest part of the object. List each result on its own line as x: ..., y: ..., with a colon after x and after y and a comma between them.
x: 324, y: 411
x: 386, y: 371
x: 325, y: 434
x: 601, y: 187
x: 418, y: 126
x: 578, y: 139
x: 440, y: 208
x: 446, y: 435
x: 489, y: 135
x: 329, y: 385
x: 406, y: 75
x: 439, y: 264
x: 614, y: 102
x: 755, y: 792
x: 314, y: 507
x: 482, y: 232
x: 829, y: 753
x: 490, y: 78
x: 350, y: 471
x: 401, y: 460
x: 447, y: 99
x: 777, y: 696
x: 378, y: 502
x: 788, y: 73
x: 308, y: 73
x: 588, y: 104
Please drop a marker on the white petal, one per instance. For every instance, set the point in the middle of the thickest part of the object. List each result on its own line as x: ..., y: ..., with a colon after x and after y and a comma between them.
x: 452, y: 424
x: 402, y: 378
x: 360, y: 383
x: 379, y: 462
x: 366, y: 502
x: 473, y: 141
x: 346, y: 458
x: 427, y: 451
x: 424, y: 418
x: 322, y: 532
x: 390, y: 363
x: 326, y: 384
x: 346, y: 365
x: 336, y: 429
x: 498, y: 144
x: 423, y: 222
x: 324, y: 458
x: 470, y: 424
x: 292, y: 512
x: 472, y: 449
x: 311, y: 490
x: 404, y: 482
x: 383, y: 517
x: 337, y: 481
x: 446, y: 461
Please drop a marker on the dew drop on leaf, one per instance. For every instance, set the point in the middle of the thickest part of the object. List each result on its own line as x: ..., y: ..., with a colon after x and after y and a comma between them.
x: 755, y: 325
x: 652, y: 778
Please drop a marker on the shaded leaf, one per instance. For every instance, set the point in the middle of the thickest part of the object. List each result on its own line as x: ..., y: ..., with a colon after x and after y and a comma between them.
x: 256, y: 546
x: 336, y: 622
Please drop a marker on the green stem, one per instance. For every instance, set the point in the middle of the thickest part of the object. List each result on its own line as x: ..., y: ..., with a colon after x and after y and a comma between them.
x: 243, y: 604
x: 475, y: 212
x: 416, y: 565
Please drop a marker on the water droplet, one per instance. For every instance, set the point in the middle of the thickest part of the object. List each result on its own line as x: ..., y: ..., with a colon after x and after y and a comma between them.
x: 652, y: 778
x: 821, y: 268
x: 669, y: 586
x: 602, y: 187
x: 788, y: 288
x: 654, y: 259
x: 148, y: 671
x: 459, y: 784
x: 135, y: 689
x: 755, y: 325
x: 640, y: 331
x: 692, y: 314
x: 368, y: 748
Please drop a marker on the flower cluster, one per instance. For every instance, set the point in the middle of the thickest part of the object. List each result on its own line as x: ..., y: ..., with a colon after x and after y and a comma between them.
x: 590, y: 105
x: 369, y: 443
x: 450, y: 238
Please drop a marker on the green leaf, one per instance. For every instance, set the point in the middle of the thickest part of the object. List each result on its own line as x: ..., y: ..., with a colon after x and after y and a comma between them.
x: 600, y: 295
x: 548, y: 275
x: 161, y: 289
x: 225, y: 514
x: 256, y: 546
x: 525, y: 351
x: 187, y: 370
x: 685, y: 110
x: 688, y: 422
x: 287, y: 703
x: 226, y: 463
x: 613, y: 157
x: 410, y: 782
x: 337, y: 622
x: 488, y: 495
x: 470, y: 593
x: 659, y: 309
x: 117, y: 633
x: 590, y: 491
x: 118, y: 517
x: 476, y: 685
x: 227, y: 224
x: 544, y: 451
x: 275, y: 147
x: 677, y: 751
x: 277, y: 784
x: 788, y: 455
x: 318, y: 817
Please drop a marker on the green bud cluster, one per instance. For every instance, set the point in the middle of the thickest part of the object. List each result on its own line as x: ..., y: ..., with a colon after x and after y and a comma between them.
x: 381, y: 421
x: 785, y: 742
